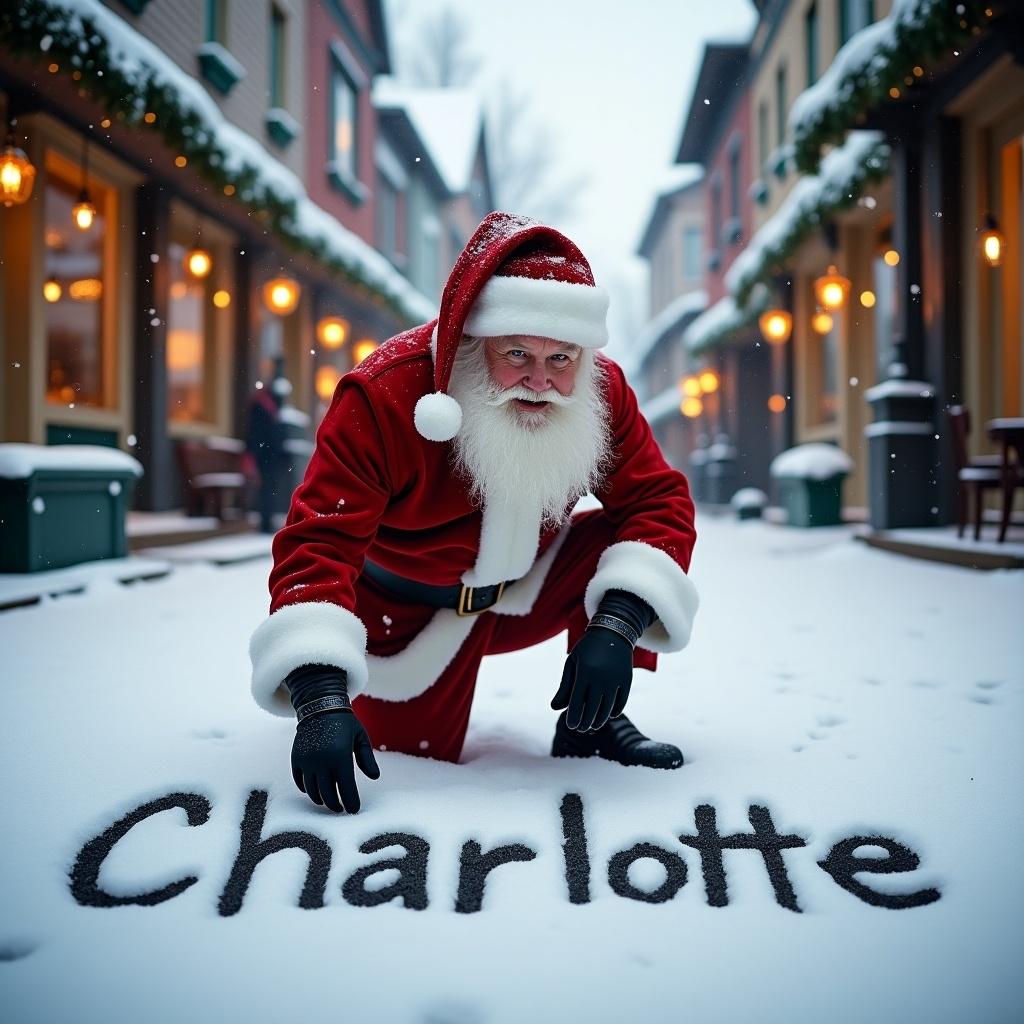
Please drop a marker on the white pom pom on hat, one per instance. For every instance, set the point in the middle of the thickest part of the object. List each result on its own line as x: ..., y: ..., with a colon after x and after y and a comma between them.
x: 438, y: 417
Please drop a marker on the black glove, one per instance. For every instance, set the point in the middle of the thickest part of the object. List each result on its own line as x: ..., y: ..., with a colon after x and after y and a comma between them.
x: 325, y: 742
x: 599, y: 670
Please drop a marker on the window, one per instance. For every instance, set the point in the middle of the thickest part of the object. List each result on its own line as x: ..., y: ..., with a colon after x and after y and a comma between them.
x: 781, y: 108
x: 277, y: 57
x: 217, y: 21
x: 344, y: 110
x: 853, y: 16
x: 188, y: 341
x: 762, y: 135
x: 692, y: 238
x: 387, y: 217
x: 79, y: 280
x: 734, y: 180
x: 811, y: 42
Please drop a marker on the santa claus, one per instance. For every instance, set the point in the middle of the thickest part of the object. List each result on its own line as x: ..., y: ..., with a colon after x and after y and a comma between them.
x: 434, y: 526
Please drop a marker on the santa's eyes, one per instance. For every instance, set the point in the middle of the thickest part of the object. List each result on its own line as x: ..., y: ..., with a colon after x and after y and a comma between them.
x: 559, y: 358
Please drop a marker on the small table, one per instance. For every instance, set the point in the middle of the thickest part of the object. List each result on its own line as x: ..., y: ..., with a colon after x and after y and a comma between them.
x: 1009, y: 432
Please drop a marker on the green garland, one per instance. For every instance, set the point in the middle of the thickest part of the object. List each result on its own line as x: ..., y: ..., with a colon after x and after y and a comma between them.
x: 45, y: 32
x: 935, y: 32
x: 834, y: 197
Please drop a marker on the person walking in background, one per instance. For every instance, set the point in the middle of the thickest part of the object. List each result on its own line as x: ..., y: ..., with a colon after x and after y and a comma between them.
x: 265, y: 442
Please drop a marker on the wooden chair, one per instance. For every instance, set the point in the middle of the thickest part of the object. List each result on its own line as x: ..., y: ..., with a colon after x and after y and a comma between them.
x: 974, y: 475
x: 212, y: 475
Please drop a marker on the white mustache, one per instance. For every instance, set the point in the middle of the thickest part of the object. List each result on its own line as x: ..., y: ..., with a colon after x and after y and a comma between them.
x: 508, y: 394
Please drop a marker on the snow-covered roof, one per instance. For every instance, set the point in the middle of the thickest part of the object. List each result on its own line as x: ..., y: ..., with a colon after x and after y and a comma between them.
x: 724, y: 317
x: 814, y: 461
x: 448, y: 121
x: 18, y: 461
x: 656, y: 328
x: 840, y: 179
x: 238, y: 153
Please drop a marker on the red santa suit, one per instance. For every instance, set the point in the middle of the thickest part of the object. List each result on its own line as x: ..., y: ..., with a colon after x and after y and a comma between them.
x: 377, y: 489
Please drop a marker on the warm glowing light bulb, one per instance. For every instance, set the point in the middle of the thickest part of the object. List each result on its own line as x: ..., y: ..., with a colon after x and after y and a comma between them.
x: 822, y: 322
x: 281, y: 295
x: 52, y: 290
x: 222, y: 298
x: 892, y: 257
x: 709, y: 382
x: 867, y: 299
x: 776, y: 403
x: 83, y: 212
x: 327, y: 378
x: 10, y: 177
x: 332, y: 331
x: 776, y: 326
x: 691, y: 408
x: 199, y: 263
x: 831, y: 290
x: 992, y: 243
x: 690, y: 387
x: 363, y: 349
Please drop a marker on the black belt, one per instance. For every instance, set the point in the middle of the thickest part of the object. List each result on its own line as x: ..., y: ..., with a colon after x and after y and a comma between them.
x: 465, y: 600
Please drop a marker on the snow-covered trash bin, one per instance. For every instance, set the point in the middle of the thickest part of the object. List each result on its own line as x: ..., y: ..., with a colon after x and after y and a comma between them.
x: 749, y: 503
x: 63, y: 504
x: 811, y: 480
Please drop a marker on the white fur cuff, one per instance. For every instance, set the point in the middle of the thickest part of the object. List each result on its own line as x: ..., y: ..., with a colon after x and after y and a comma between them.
x: 652, y: 575
x: 311, y: 633
x: 573, y: 313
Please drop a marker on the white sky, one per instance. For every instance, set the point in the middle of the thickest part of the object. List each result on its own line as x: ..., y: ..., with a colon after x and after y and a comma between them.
x: 612, y: 81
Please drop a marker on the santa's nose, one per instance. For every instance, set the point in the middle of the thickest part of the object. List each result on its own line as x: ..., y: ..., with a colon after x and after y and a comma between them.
x: 537, y: 380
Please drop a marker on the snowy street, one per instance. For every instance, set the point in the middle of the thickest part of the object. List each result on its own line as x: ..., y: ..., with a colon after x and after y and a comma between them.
x: 832, y: 692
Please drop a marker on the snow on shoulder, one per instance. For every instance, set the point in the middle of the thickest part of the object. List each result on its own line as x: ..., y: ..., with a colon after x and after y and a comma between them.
x: 18, y: 461
x: 811, y: 462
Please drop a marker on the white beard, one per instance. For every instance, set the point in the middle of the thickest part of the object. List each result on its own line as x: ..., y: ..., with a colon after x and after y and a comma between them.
x: 543, y: 461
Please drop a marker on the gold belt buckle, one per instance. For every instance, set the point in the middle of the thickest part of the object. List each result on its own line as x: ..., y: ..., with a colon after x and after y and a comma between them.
x: 466, y: 601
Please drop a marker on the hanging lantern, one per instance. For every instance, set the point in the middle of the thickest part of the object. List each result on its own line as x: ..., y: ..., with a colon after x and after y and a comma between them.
x: 831, y: 290
x: 691, y: 408
x: 776, y: 326
x: 709, y: 382
x: 52, y: 290
x: 822, y: 322
x: 332, y: 331
x: 689, y: 387
x: 363, y: 349
x: 198, y: 262
x: 327, y: 378
x: 83, y: 212
x: 17, y: 174
x: 281, y: 295
x: 992, y: 242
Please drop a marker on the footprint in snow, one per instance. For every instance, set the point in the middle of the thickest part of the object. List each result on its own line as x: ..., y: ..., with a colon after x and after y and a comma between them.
x: 830, y: 721
x: 210, y: 734
x: 927, y: 684
x: 16, y: 949
x: 980, y: 698
x: 813, y: 734
x: 451, y: 1011
x: 989, y: 684
x: 871, y: 681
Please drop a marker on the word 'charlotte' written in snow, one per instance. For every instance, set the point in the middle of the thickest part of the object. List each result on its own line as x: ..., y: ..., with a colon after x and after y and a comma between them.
x: 842, y: 863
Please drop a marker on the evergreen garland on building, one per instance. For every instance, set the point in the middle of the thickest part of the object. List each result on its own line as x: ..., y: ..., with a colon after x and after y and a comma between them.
x: 925, y: 31
x: 136, y: 97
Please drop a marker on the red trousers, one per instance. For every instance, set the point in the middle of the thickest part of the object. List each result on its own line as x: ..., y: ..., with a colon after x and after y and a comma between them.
x: 434, y: 724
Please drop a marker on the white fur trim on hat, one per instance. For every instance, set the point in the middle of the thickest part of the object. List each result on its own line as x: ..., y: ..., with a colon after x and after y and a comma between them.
x: 656, y: 577
x: 573, y: 313
x: 310, y: 633
x: 438, y: 417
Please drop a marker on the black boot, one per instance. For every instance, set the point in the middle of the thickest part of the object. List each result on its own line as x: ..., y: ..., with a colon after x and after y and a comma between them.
x: 618, y: 740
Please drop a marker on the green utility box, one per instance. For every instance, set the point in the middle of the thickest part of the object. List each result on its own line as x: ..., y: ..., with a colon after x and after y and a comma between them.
x: 810, y: 478
x: 63, y: 504
x: 813, y: 502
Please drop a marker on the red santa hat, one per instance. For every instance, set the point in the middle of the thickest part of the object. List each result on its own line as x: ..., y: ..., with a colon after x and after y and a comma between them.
x: 515, y: 276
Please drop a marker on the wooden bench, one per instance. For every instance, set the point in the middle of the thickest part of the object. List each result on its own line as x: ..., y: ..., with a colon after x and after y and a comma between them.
x: 213, y: 477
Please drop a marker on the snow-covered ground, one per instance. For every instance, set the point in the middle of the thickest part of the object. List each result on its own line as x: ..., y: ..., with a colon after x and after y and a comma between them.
x: 847, y: 692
